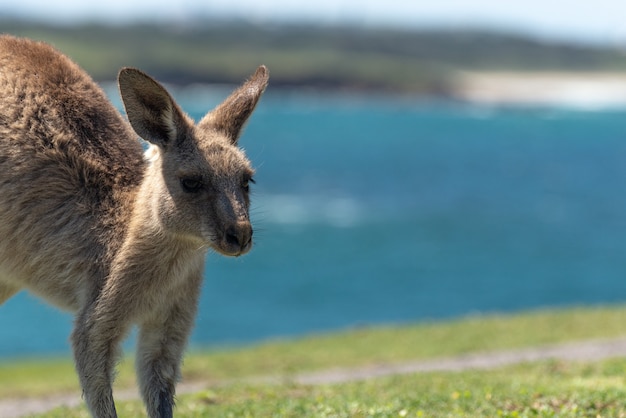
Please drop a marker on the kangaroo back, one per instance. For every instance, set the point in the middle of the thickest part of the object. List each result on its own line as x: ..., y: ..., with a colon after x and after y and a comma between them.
x: 55, y: 105
x: 66, y: 159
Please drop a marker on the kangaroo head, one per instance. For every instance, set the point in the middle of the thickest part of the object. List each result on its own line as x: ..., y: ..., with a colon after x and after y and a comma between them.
x: 198, y: 180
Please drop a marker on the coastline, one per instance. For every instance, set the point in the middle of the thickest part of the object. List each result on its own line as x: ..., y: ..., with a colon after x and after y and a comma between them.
x: 587, y: 91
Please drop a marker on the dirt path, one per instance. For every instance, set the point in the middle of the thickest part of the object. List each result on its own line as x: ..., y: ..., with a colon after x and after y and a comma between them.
x: 579, y: 351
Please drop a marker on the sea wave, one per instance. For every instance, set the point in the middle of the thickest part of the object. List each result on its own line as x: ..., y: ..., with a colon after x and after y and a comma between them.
x: 338, y: 211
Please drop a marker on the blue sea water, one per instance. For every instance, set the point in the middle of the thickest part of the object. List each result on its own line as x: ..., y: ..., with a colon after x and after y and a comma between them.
x: 375, y: 210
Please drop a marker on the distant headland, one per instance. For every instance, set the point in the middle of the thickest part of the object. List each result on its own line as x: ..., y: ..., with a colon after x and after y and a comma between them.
x: 473, y: 65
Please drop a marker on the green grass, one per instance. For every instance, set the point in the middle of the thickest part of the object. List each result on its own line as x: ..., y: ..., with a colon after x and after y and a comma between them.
x: 545, y: 389
x: 541, y: 389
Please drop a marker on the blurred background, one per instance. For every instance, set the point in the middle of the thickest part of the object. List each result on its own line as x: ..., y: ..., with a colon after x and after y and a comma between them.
x: 416, y: 161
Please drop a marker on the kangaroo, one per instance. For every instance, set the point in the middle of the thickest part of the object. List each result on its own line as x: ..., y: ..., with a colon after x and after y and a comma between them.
x: 92, y: 226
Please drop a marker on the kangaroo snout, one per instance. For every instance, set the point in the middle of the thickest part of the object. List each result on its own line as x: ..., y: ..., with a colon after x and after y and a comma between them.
x: 237, y: 239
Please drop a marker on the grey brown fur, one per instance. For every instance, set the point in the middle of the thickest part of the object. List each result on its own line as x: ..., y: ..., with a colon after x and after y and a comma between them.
x: 92, y: 226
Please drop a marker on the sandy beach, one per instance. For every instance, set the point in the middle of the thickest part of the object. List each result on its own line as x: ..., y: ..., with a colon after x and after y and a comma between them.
x: 586, y: 90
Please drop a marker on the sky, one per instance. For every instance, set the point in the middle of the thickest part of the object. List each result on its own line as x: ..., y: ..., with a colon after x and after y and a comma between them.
x: 597, y: 21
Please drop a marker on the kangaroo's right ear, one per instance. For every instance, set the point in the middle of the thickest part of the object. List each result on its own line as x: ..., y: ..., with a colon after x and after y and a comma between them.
x: 230, y: 116
x: 151, y: 111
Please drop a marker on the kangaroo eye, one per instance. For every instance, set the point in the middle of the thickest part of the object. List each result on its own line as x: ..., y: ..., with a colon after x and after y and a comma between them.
x: 246, y: 184
x: 191, y: 185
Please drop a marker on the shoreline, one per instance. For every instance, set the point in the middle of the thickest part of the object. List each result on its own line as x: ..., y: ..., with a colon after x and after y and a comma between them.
x: 576, y: 90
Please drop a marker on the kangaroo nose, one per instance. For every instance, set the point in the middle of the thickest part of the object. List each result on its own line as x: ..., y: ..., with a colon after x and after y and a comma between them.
x: 239, y: 236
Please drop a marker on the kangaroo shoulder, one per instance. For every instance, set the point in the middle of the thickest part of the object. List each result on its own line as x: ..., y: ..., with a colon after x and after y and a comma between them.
x: 65, y: 108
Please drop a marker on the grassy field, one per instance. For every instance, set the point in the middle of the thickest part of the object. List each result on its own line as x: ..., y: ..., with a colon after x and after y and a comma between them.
x: 546, y: 389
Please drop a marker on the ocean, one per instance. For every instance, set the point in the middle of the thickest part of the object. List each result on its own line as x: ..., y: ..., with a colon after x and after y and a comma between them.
x: 374, y: 210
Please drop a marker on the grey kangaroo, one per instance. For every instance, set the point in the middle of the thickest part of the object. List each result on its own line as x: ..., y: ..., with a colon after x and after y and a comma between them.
x: 95, y: 227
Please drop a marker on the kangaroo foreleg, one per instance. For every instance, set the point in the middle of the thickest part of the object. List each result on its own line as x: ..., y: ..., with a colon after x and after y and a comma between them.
x: 160, y: 346
x: 95, y: 340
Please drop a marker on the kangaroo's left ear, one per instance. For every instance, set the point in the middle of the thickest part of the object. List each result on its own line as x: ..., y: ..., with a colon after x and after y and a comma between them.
x: 151, y: 110
x: 231, y: 115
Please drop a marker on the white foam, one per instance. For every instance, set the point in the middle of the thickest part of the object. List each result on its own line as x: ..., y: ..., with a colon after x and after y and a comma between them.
x: 342, y: 212
x: 339, y: 211
x: 285, y: 209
